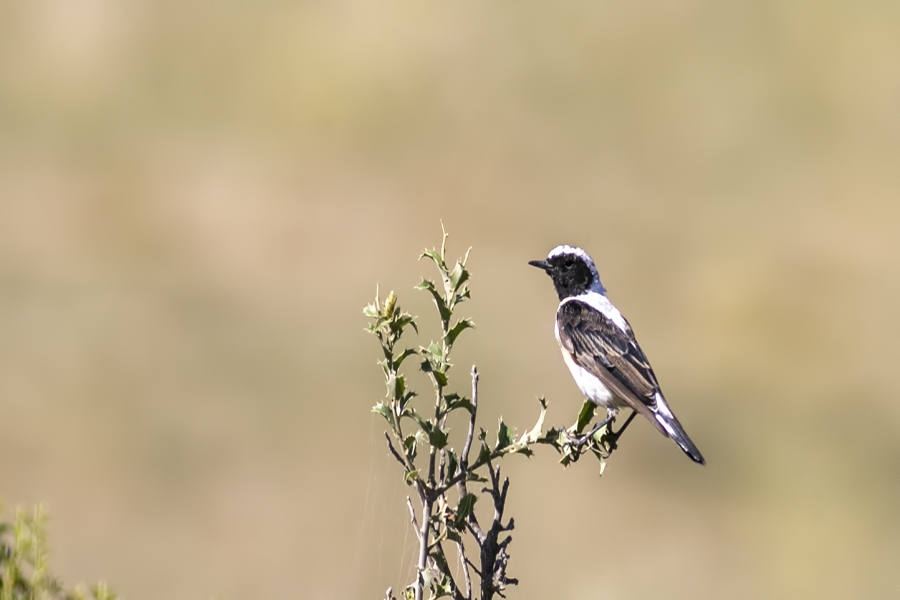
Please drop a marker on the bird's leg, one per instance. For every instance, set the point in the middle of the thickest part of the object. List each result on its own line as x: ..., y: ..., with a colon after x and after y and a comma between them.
x: 616, y: 434
x: 613, y: 436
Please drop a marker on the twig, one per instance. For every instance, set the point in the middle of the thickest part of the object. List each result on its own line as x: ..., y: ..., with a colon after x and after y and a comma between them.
x: 423, y: 546
x: 460, y: 482
x: 394, y: 451
x: 465, y: 562
x: 412, y: 515
x: 494, y: 557
x: 474, y: 568
x: 463, y: 469
x: 464, y: 457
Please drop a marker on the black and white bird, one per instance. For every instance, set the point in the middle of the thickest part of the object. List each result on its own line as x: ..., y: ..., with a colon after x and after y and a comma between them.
x: 599, y: 347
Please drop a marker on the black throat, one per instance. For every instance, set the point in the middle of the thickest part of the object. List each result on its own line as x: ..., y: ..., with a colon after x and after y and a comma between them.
x: 570, y: 274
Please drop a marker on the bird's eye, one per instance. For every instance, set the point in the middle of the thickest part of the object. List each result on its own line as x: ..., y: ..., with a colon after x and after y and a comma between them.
x: 569, y: 263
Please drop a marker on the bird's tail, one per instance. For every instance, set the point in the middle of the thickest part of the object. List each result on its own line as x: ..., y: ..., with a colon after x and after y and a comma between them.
x: 668, y: 421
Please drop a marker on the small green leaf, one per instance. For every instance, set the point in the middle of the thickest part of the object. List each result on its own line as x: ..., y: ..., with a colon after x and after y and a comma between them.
x: 427, y: 577
x: 411, y: 477
x: 410, y: 444
x: 438, y: 299
x: 440, y: 375
x: 457, y: 329
x: 485, y: 453
x: 472, y: 476
x: 535, y: 434
x: 438, y: 438
x: 403, y: 356
x: 505, y: 436
x: 433, y: 255
x: 442, y: 588
x: 404, y: 400
x: 399, y: 386
x: 458, y: 276
x: 455, y: 401
x: 400, y: 322
x: 426, y: 426
x: 385, y: 411
x: 585, y: 416
x: 465, y: 508
x: 524, y: 450
x: 452, y: 463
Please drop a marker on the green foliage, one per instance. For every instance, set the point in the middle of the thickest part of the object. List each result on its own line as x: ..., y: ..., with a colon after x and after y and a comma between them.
x: 434, y: 463
x: 24, y: 563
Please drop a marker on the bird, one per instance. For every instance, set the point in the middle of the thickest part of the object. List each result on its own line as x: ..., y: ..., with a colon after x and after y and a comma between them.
x: 599, y: 347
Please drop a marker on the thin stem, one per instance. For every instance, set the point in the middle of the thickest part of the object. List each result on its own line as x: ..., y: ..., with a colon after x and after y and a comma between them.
x: 464, y: 457
x: 423, y: 547
x: 465, y: 565
x: 461, y: 484
x: 394, y: 451
x: 412, y: 517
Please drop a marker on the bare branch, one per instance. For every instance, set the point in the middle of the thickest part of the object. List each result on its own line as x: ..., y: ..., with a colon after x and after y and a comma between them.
x: 474, y: 568
x: 464, y: 457
x: 423, y: 546
x: 394, y: 451
x: 476, y: 531
x: 465, y: 565
x: 412, y: 516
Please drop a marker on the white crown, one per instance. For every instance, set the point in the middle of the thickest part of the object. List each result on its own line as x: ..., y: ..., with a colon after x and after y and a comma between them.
x: 596, y: 286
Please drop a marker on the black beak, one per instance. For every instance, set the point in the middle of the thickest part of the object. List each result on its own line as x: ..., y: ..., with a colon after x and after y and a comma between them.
x: 540, y: 264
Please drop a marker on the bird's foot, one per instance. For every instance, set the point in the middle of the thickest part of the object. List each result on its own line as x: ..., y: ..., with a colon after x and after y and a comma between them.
x: 580, y: 441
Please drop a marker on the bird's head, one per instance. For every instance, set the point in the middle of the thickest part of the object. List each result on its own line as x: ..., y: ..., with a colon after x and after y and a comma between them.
x: 572, y: 270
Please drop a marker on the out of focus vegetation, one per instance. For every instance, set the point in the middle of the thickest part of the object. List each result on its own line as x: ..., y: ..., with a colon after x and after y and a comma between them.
x: 25, y: 563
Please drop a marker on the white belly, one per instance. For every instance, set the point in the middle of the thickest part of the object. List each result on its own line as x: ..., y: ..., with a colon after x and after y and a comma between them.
x: 592, y: 388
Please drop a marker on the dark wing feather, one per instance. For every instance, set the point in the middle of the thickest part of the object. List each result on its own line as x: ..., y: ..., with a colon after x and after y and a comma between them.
x: 600, y: 347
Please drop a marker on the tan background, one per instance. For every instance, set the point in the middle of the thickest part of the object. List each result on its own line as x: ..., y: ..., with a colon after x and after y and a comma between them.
x: 198, y: 198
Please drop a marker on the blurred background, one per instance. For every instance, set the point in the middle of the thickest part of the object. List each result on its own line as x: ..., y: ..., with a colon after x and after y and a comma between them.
x: 198, y: 198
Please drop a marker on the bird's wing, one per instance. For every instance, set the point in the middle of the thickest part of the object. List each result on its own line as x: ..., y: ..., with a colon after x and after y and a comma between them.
x: 599, y: 346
